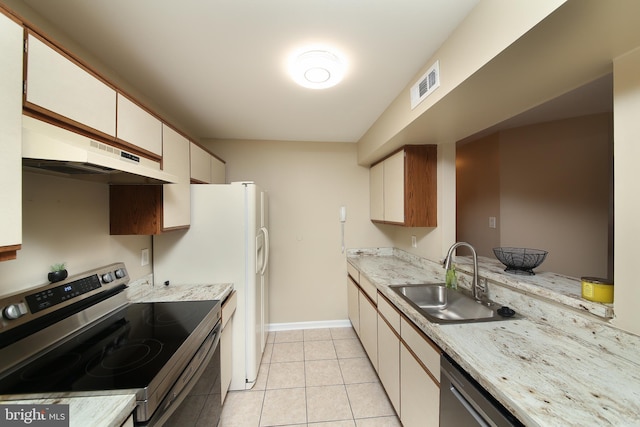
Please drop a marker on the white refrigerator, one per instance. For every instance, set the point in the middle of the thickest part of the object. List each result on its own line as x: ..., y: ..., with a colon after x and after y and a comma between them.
x: 227, y: 242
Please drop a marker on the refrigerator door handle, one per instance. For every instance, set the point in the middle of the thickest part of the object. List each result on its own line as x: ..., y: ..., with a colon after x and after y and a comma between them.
x: 265, y: 261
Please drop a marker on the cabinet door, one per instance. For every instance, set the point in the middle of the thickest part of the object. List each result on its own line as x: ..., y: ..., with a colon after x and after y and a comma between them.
x: 394, y: 188
x: 369, y: 328
x: 218, y: 171
x: 65, y: 90
x: 138, y: 127
x: 200, y: 164
x: 11, y: 140
x: 376, y: 192
x: 176, y: 197
x: 389, y: 361
x: 419, y: 394
x: 353, y: 305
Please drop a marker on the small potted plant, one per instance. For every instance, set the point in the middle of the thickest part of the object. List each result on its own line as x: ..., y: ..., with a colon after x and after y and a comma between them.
x: 58, y: 272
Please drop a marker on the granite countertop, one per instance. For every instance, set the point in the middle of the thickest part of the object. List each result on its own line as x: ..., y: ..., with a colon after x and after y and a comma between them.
x: 556, y: 365
x: 143, y: 291
x: 95, y: 411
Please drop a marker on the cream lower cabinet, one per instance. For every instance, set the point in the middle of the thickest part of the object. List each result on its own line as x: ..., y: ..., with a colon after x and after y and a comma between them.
x: 11, y: 34
x: 420, y: 395
x: 369, y: 328
x: 353, y: 304
x: 389, y: 351
x: 419, y: 378
x: 226, y: 343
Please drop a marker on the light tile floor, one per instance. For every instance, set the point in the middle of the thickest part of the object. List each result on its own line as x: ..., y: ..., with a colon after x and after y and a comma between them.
x: 312, y: 378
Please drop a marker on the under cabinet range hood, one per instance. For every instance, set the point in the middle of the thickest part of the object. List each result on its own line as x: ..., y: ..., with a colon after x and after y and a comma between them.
x: 50, y: 149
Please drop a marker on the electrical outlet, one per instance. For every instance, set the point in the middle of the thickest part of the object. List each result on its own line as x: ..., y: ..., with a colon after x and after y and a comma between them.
x: 144, y: 257
x: 492, y: 222
x: 414, y: 242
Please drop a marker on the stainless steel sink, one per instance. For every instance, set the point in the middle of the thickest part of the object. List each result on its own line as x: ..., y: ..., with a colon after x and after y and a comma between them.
x: 440, y: 304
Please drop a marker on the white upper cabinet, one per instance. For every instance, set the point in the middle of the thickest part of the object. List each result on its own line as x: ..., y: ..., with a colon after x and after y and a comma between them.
x: 218, y: 171
x: 394, y: 188
x: 376, y: 187
x: 200, y: 164
x: 11, y: 34
x: 138, y: 127
x: 63, y: 89
x: 176, y: 198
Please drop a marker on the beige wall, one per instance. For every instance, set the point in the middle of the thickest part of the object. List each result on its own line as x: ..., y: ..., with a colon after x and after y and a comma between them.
x: 67, y: 220
x: 626, y: 72
x: 548, y: 186
x: 478, y: 193
x: 307, y: 183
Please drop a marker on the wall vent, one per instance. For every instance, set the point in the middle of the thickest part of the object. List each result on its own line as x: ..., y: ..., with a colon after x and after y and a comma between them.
x: 429, y: 82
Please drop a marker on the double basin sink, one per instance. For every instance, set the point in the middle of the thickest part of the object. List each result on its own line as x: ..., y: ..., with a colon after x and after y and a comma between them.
x: 440, y: 304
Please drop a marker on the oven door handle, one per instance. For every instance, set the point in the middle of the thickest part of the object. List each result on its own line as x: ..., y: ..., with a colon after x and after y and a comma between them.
x: 188, y: 378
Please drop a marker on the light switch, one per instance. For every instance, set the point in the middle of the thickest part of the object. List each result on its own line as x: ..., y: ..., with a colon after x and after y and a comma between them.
x: 492, y: 222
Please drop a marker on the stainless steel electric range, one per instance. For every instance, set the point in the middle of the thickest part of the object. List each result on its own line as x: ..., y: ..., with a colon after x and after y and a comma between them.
x: 81, y: 337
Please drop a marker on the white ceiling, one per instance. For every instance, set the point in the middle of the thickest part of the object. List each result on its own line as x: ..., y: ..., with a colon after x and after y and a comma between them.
x: 216, y: 67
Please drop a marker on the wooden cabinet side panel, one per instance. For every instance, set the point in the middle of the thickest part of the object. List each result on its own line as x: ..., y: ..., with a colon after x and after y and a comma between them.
x: 135, y: 209
x: 420, y: 190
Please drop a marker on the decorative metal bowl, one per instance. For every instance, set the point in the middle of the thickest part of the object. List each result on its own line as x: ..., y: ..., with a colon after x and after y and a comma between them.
x: 520, y: 260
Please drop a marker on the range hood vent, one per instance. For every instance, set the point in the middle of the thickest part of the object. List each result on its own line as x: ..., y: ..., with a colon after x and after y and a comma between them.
x: 429, y: 82
x: 50, y: 149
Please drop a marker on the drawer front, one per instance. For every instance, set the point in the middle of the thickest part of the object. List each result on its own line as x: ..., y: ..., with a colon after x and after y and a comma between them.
x: 390, y: 313
x: 369, y: 288
x: 353, y: 272
x: 424, y: 349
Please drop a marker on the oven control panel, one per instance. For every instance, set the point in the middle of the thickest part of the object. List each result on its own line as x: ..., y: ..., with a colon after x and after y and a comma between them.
x: 25, y: 306
x: 52, y: 296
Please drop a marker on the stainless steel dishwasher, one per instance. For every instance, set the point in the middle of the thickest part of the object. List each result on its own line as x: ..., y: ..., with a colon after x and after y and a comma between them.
x: 463, y: 402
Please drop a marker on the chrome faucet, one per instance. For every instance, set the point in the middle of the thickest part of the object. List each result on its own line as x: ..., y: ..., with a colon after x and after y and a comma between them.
x: 447, y: 265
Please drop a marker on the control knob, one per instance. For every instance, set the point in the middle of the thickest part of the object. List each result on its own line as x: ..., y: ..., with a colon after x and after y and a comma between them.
x: 120, y: 273
x: 14, y: 311
x: 108, y: 277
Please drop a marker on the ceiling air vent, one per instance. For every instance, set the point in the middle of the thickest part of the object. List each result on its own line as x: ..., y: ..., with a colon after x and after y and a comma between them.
x: 426, y: 85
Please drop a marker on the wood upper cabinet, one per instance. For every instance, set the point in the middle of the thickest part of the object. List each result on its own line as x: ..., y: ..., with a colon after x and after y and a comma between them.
x: 403, y: 187
x: 136, y: 126
x: 154, y: 209
x: 11, y: 50
x: 64, y: 90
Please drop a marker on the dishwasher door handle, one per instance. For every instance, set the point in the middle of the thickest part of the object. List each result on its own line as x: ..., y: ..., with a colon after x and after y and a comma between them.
x: 470, y: 409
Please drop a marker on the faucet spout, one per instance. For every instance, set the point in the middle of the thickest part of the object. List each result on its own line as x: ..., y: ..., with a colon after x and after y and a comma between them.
x: 447, y: 265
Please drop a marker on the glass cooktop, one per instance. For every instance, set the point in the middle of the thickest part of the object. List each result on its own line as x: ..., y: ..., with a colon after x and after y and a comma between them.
x: 124, y: 351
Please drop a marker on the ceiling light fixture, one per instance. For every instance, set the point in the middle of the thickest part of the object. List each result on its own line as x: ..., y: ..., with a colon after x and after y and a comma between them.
x: 317, y: 68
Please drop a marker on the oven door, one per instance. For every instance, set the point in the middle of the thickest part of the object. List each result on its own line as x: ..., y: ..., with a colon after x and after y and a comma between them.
x: 197, y: 394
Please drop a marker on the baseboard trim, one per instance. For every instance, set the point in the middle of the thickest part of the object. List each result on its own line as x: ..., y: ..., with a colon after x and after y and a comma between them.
x: 275, y: 327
